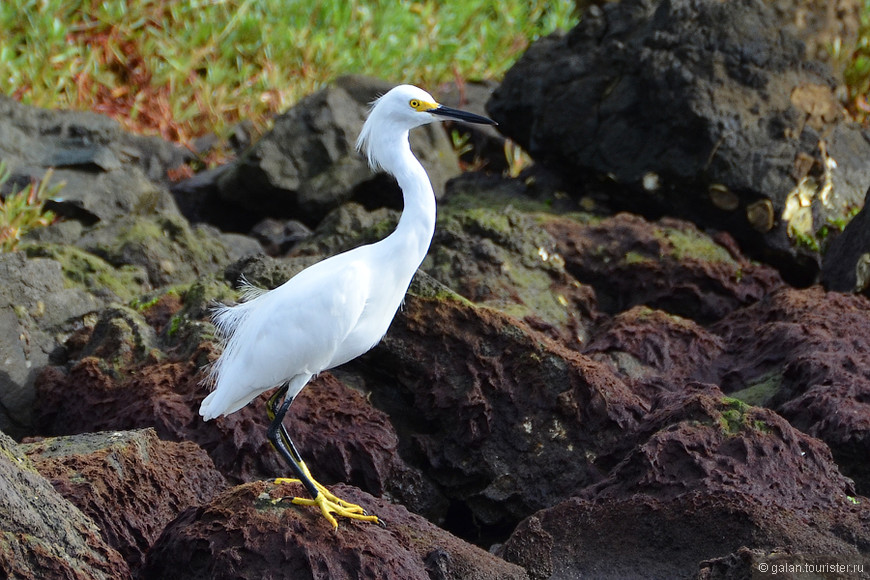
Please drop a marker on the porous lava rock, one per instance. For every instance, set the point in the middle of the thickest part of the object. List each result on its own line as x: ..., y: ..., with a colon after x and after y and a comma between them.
x: 342, y: 437
x: 37, y: 311
x: 503, y: 418
x: 643, y: 343
x: 129, y: 483
x: 166, y: 247
x: 43, y: 535
x: 244, y: 532
x: 107, y: 172
x: 846, y: 264
x: 668, y: 265
x: 503, y: 258
x: 805, y: 354
x: 709, y: 476
x: 701, y: 109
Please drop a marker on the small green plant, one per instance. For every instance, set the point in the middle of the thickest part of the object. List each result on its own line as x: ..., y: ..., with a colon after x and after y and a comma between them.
x: 22, y: 211
x: 733, y: 415
x: 856, y: 67
x: 461, y: 142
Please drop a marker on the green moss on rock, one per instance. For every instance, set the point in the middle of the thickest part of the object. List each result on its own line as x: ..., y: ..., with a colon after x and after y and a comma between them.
x: 91, y: 273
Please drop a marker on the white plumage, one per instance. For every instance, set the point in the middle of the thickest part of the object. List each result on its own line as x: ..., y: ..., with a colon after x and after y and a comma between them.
x: 341, y: 307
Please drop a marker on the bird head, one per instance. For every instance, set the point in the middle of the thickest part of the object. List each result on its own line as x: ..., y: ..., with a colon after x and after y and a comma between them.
x: 398, y: 111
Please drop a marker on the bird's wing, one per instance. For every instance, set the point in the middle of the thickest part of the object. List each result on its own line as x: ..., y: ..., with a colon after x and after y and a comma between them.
x: 292, y: 330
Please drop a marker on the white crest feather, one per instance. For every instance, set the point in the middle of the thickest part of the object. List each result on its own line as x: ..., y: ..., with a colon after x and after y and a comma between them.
x: 364, y: 141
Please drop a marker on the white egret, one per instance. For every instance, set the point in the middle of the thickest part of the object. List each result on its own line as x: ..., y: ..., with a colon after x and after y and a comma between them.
x: 339, y: 308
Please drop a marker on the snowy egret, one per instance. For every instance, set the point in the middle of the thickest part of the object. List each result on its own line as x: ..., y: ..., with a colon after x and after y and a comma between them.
x: 339, y: 308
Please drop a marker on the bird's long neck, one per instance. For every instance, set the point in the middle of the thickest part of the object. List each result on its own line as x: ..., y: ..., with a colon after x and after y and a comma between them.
x: 417, y: 224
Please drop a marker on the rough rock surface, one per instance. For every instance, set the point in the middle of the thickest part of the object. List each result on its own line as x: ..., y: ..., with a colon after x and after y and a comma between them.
x: 846, y: 265
x: 108, y: 172
x: 496, y: 411
x: 147, y: 484
x: 37, y: 312
x: 605, y: 394
x: 469, y: 415
x: 645, y: 343
x: 716, y: 466
x: 121, y: 235
x: 503, y: 258
x: 342, y: 437
x: 705, y: 110
x: 166, y: 247
x: 216, y: 542
x: 307, y: 164
x: 806, y: 354
x: 43, y: 535
x: 668, y: 265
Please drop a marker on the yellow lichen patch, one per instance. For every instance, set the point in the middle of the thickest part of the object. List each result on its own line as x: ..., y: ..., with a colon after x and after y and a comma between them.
x: 798, y: 210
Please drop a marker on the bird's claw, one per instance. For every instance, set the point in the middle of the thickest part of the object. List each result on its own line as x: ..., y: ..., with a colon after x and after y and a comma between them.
x: 329, y: 507
x: 329, y: 504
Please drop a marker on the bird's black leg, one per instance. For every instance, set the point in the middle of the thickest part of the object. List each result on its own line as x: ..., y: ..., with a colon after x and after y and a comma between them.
x: 277, y: 434
x: 321, y: 497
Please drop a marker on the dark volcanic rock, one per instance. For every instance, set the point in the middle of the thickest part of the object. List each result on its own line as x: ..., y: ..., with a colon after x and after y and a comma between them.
x: 218, y: 541
x: 165, y: 246
x: 643, y: 342
x: 350, y: 441
x: 162, y: 395
x: 714, y: 475
x: 307, y: 164
x: 502, y: 258
x: 43, y: 535
x: 846, y: 266
x: 702, y: 109
x: 108, y: 172
x: 278, y: 236
x: 485, y: 145
x: 669, y: 265
x: 148, y: 481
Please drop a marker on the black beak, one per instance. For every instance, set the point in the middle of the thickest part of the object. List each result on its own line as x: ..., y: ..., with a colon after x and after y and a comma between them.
x: 458, y: 115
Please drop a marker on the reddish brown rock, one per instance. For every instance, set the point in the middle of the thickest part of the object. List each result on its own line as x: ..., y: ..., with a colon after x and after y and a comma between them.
x: 806, y: 354
x: 714, y: 476
x: 129, y: 482
x: 42, y: 535
x: 504, y: 419
x: 643, y: 342
x: 667, y: 265
x: 342, y: 437
x: 242, y: 533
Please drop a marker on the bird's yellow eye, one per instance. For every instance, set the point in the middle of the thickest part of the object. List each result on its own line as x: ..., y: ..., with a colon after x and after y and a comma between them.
x: 421, y: 106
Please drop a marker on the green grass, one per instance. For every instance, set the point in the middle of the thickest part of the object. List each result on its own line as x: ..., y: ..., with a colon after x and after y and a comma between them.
x: 856, y: 68
x: 22, y: 210
x: 182, y: 68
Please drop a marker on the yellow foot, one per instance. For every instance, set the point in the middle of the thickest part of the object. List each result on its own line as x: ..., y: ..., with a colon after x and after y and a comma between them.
x: 329, y: 503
